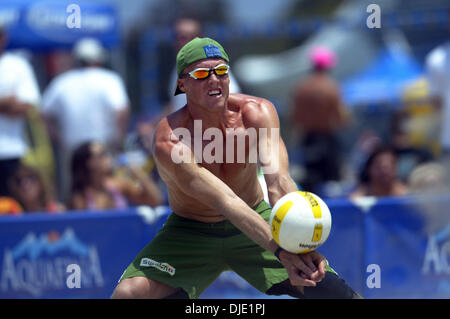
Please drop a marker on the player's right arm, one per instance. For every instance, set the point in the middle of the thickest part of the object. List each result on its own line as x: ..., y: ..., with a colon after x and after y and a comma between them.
x: 199, y: 183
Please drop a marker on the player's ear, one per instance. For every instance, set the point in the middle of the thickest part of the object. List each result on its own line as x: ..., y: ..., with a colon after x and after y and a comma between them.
x: 180, y: 84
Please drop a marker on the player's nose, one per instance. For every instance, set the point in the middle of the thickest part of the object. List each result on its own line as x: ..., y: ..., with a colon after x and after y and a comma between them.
x: 213, y: 78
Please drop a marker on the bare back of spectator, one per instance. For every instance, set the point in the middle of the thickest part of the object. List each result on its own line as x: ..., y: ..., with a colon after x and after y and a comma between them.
x: 318, y: 115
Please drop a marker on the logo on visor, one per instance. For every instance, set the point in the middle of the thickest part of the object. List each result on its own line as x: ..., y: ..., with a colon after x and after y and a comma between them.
x: 212, y: 51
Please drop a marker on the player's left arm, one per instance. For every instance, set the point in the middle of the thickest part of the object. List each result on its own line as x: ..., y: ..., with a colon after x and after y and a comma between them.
x: 274, y: 161
x: 272, y: 153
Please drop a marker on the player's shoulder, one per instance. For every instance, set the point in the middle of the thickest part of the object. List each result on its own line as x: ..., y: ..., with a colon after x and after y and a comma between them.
x: 164, y: 137
x: 255, y: 110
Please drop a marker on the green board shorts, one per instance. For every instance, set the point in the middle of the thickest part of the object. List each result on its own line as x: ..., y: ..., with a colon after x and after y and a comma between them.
x: 189, y: 254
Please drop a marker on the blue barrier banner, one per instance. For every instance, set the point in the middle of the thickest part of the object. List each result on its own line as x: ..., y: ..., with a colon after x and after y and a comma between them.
x: 36, y: 252
x: 408, y: 242
x: 47, y: 24
x: 344, y: 248
x: 388, y: 248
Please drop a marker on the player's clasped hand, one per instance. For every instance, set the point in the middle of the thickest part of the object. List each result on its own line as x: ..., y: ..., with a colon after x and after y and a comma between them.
x: 304, y: 269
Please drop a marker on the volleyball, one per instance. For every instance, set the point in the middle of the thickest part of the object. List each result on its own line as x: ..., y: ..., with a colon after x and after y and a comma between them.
x: 300, y: 222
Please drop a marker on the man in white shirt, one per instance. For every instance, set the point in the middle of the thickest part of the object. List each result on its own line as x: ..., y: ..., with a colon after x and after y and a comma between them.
x: 89, y: 103
x: 18, y: 92
x: 437, y: 65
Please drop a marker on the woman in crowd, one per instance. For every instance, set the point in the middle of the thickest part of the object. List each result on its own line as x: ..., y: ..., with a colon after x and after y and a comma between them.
x: 95, y: 187
x: 28, y: 188
x: 378, y: 177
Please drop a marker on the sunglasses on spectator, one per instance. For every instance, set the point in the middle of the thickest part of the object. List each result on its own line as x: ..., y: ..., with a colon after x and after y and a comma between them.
x: 204, y: 73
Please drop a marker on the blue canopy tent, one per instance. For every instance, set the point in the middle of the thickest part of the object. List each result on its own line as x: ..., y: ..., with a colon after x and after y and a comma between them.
x: 382, y: 81
x: 43, y: 25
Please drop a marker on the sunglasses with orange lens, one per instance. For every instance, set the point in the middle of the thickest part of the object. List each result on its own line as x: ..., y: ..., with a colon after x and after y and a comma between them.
x: 204, y: 73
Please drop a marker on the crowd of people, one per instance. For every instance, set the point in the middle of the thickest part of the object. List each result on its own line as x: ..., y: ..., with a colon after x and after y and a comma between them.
x: 87, y: 115
x: 393, y: 166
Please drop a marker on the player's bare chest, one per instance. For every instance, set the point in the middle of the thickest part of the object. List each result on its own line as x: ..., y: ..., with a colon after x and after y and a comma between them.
x: 227, y: 145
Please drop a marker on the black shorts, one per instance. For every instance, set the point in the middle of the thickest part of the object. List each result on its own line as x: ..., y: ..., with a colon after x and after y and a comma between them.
x: 331, y: 287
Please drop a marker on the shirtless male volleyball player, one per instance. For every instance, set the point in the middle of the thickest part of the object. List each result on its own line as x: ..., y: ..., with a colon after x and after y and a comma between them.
x: 220, y: 220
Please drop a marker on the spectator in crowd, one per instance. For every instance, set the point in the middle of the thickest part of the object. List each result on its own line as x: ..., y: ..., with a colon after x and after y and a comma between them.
x: 95, y: 187
x: 367, y: 141
x: 18, y: 93
x: 437, y: 65
x: 409, y: 156
x: 187, y: 29
x: 428, y: 178
x: 378, y: 177
x: 318, y: 115
x: 84, y: 104
x: 27, y: 186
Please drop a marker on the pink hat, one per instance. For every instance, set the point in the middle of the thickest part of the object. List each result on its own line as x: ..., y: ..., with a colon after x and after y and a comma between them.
x: 322, y: 57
